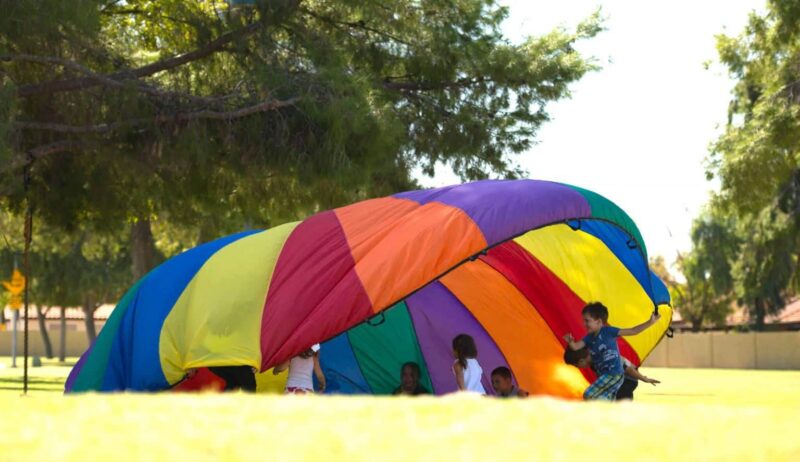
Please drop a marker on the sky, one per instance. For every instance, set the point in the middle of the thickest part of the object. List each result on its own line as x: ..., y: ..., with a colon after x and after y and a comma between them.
x: 638, y: 130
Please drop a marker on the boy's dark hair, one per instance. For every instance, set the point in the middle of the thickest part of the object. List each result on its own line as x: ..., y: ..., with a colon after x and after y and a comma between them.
x: 464, y: 347
x: 572, y: 357
x: 596, y: 310
x: 502, y: 371
x: 414, y: 368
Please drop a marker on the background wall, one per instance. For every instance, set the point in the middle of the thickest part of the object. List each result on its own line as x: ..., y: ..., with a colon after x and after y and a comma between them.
x: 763, y: 350
x: 76, y: 343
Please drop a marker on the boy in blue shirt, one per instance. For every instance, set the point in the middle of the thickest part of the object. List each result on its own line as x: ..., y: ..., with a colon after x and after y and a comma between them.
x: 581, y: 359
x: 601, y: 340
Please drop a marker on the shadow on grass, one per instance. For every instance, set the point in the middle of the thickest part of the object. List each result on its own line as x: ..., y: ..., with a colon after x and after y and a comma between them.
x: 682, y: 394
x: 19, y: 389
x: 32, y: 380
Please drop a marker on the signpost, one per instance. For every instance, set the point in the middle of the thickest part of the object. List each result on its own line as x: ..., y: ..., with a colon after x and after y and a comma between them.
x: 15, y: 287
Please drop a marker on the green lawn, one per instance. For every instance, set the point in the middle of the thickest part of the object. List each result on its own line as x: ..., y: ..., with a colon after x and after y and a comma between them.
x: 44, y: 380
x: 694, y: 414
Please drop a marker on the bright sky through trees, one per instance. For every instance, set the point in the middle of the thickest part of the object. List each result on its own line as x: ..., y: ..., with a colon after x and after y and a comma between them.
x: 638, y: 130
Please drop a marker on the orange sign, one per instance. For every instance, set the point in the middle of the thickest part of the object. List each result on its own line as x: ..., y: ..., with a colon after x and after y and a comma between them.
x: 15, y: 287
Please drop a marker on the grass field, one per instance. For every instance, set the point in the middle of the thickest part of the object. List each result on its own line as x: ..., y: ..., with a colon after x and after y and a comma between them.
x: 695, y: 414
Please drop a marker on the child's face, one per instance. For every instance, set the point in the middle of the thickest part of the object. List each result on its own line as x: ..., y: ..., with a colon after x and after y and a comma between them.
x: 408, y: 378
x: 501, y: 384
x: 584, y: 362
x: 592, y: 325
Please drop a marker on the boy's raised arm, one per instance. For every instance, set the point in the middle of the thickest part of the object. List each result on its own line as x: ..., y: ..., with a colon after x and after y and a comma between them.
x: 572, y: 343
x: 635, y: 330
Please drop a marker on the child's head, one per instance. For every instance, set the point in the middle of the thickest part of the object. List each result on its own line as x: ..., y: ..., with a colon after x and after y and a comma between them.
x: 310, y: 352
x: 595, y: 315
x: 464, y: 348
x: 307, y: 354
x: 578, y: 358
x: 409, y: 376
x: 501, y: 380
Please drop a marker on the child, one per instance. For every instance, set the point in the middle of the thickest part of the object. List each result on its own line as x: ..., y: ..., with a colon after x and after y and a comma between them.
x: 601, y: 340
x: 300, y: 368
x: 466, y: 368
x: 409, y: 381
x: 581, y: 359
x: 504, y: 385
x: 236, y: 377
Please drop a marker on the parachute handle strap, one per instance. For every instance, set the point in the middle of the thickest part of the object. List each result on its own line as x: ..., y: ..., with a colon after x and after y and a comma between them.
x: 371, y: 321
x: 479, y: 254
x: 670, y: 331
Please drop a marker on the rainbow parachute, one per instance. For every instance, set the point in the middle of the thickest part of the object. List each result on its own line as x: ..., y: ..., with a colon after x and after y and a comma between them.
x: 386, y: 281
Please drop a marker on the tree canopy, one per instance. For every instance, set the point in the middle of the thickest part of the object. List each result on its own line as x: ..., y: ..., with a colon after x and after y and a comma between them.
x: 197, y: 109
x: 151, y: 125
x: 757, y: 161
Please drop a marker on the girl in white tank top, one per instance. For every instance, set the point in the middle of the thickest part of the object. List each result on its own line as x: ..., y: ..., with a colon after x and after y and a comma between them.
x: 466, y: 368
x: 300, y: 368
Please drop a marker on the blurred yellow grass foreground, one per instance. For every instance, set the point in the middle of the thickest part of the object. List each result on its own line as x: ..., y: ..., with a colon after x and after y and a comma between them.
x: 694, y: 415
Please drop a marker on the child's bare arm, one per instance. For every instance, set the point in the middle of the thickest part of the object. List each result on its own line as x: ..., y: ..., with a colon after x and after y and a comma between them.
x: 319, y: 374
x: 633, y: 372
x: 636, y: 329
x: 280, y: 368
x: 574, y: 345
x: 458, y: 369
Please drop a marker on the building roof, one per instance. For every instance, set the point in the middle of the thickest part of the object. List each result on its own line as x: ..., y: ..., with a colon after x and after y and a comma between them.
x: 789, y: 315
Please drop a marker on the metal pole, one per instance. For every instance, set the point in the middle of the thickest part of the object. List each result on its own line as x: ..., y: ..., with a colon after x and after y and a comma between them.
x: 26, y: 269
x: 14, y: 320
x: 63, y: 347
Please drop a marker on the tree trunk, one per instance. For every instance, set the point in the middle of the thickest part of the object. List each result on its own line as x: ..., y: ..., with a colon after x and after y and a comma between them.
x: 48, y: 347
x: 62, y: 350
x: 88, y: 313
x: 143, y: 248
x: 760, y: 314
x: 697, y: 323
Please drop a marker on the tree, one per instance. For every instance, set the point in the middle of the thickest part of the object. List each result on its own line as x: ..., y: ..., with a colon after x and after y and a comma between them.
x: 765, y: 266
x: 708, y: 293
x: 191, y: 112
x: 86, y: 269
x: 757, y: 158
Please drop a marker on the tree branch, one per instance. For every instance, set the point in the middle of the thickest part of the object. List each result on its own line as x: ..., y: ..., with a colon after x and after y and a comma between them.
x: 42, y: 151
x: 427, y: 86
x: 104, y: 80
x: 159, y: 119
x: 353, y: 25
x: 81, y: 83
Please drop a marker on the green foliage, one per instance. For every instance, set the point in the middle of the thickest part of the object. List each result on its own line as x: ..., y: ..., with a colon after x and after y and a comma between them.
x: 382, y: 87
x: 757, y: 158
x: 765, y: 267
x: 204, y: 120
x: 707, y: 295
x: 67, y: 269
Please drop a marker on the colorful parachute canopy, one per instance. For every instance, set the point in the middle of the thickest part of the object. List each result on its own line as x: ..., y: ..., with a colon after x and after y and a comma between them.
x: 386, y: 281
